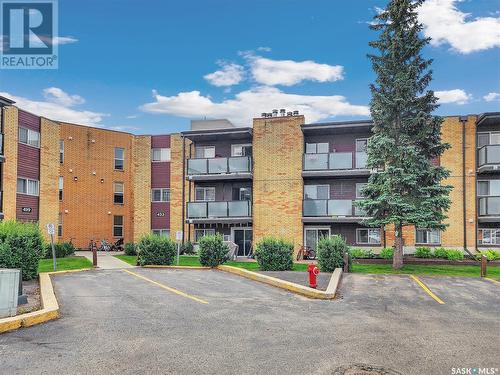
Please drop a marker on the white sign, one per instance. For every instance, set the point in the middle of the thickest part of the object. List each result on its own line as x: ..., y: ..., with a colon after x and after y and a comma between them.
x: 178, y: 235
x: 51, y: 229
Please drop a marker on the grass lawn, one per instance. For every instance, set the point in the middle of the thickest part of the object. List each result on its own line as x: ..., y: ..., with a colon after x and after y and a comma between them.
x: 444, y: 270
x: 63, y: 264
x: 187, y: 260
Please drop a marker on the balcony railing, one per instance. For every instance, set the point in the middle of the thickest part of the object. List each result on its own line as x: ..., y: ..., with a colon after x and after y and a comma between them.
x: 489, y: 206
x: 205, y: 210
x: 489, y: 154
x: 335, y: 161
x: 331, y: 207
x: 234, y: 164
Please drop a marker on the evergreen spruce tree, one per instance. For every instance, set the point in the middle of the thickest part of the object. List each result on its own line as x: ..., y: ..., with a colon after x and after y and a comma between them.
x: 406, y: 139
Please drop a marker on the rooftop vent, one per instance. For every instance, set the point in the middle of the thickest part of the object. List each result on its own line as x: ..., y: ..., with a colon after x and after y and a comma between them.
x: 281, y: 113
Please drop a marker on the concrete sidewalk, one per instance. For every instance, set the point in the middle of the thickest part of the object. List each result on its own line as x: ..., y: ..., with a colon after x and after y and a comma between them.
x: 106, y: 260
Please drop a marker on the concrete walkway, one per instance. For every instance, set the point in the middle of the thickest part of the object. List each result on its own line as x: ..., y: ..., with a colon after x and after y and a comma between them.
x: 106, y: 260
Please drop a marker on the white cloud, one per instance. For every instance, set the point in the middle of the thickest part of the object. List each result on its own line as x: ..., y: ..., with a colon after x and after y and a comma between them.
x: 64, y: 40
x: 444, y: 23
x: 58, y: 107
x: 456, y: 96
x: 230, y: 74
x: 58, y: 96
x: 251, y: 103
x: 288, y: 72
x: 264, y: 49
x: 492, y: 96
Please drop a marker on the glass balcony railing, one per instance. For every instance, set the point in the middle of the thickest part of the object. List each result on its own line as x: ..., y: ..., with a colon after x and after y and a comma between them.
x: 234, y: 164
x: 489, y: 206
x: 489, y: 154
x: 1, y: 144
x: 335, y: 161
x: 205, y: 210
x: 331, y: 207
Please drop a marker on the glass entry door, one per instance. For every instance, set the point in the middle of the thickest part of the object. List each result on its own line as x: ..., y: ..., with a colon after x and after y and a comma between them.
x: 243, y: 238
x: 313, y: 235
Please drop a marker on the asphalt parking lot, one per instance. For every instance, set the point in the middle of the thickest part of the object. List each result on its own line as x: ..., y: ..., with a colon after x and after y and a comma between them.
x: 158, y: 321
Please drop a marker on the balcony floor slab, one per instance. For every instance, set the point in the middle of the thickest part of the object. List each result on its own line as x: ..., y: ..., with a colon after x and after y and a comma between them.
x: 218, y: 177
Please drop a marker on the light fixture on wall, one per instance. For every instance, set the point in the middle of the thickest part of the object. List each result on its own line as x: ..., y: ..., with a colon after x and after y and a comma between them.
x: 93, y: 173
x: 70, y: 170
x: 66, y: 211
x: 102, y: 180
x: 109, y: 212
x: 75, y: 178
x: 70, y: 137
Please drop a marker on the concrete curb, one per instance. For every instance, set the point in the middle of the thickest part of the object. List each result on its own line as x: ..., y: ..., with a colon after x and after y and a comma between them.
x: 179, y: 267
x: 291, y: 287
x: 49, y: 310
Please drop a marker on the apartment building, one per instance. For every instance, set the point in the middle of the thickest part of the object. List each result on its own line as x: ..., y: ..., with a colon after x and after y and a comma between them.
x: 280, y: 177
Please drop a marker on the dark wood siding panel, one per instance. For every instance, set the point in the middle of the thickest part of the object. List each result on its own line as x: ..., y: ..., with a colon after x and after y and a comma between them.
x: 28, y: 201
x: 223, y: 147
x: 224, y: 190
x: 28, y: 120
x: 160, y: 175
x: 339, y: 142
x: 158, y: 221
x: 28, y: 161
x: 341, y: 188
x: 160, y: 141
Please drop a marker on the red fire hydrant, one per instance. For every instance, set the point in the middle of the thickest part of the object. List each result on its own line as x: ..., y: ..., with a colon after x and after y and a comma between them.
x: 313, y: 272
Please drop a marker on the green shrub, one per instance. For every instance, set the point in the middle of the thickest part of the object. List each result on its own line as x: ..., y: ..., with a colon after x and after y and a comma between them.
x: 188, y: 248
x: 62, y: 249
x: 441, y: 253
x: 358, y: 253
x: 155, y: 250
x: 387, y: 253
x: 331, y: 253
x: 21, y: 246
x: 490, y: 254
x: 274, y: 254
x: 452, y: 254
x: 213, y: 251
x: 423, y: 252
x: 130, y: 249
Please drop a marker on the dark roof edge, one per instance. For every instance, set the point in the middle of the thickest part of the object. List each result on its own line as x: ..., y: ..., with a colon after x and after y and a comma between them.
x: 483, y: 116
x: 6, y: 101
x: 217, y: 131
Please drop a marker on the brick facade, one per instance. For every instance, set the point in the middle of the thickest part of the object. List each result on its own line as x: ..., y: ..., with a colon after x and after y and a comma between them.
x: 10, y: 164
x: 278, y: 146
x: 141, y: 188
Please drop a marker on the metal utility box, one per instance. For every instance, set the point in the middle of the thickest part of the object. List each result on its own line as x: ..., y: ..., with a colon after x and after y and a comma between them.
x: 9, y: 288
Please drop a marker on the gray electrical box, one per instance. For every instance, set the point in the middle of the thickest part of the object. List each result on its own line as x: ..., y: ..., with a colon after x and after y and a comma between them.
x: 9, y: 290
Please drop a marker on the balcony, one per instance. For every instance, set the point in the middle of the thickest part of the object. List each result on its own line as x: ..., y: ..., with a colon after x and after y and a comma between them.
x: 488, y: 159
x: 335, y: 164
x: 236, y: 167
x: 331, y: 210
x: 489, y: 209
x: 219, y: 212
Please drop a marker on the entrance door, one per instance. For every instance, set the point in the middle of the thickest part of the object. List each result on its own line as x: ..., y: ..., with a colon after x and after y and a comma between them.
x: 243, y: 238
x: 313, y: 235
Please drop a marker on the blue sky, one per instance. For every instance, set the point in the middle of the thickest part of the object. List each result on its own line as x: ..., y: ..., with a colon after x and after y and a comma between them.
x: 151, y: 66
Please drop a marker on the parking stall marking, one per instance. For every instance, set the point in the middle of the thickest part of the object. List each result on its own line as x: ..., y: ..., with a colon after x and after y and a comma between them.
x: 427, y: 290
x: 178, y: 292
x: 493, y: 280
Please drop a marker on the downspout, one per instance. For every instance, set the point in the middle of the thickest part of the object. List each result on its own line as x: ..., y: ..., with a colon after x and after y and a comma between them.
x: 183, y: 184
x: 463, y: 120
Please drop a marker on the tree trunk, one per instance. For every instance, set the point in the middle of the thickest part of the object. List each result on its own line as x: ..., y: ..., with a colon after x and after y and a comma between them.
x: 397, y: 260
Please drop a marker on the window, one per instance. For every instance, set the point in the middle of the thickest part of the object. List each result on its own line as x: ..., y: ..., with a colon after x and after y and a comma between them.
x: 118, y: 192
x: 61, y: 185
x: 199, y: 233
x: 160, y: 195
x: 359, y: 189
x: 119, y: 159
x: 368, y: 236
x: 488, y: 188
x: 317, y: 148
x: 241, y: 150
x: 27, y: 186
x: 484, y: 139
x: 489, y: 236
x: 117, y: 226
x: 204, y: 194
x: 160, y: 154
x: 61, y: 151
x: 361, y: 145
x: 204, y: 152
x: 29, y: 137
x: 428, y: 236
x: 242, y: 194
x: 59, y: 225
x: 161, y: 232
x: 313, y: 235
x: 316, y: 191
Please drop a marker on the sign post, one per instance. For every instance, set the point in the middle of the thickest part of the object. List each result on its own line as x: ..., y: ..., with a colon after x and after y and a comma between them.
x: 178, y: 238
x: 51, y: 230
